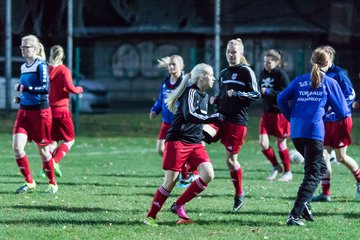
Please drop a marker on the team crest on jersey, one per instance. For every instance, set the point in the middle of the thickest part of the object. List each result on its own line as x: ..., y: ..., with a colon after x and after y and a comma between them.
x: 268, y: 82
x: 234, y: 76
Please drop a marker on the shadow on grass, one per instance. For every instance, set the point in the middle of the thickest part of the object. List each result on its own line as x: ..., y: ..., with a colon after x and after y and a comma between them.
x: 65, y: 209
x: 128, y: 175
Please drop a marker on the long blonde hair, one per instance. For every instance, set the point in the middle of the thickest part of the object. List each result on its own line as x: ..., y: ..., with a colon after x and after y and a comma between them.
x: 238, y: 44
x: 319, y: 59
x: 57, y: 55
x: 189, y: 80
x: 39, y: 48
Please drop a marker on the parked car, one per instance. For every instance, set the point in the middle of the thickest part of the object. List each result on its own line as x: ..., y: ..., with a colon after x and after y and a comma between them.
x: 13, y: 93
x: 94, y: 99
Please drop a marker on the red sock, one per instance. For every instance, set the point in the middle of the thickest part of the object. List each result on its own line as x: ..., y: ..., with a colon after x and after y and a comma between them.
x: 195, y: 188
x: 48, y: 166
x: 159, y: 199
x: 23, y: 164
x: 61, y: 151
x: 357, y: 175
x: 325, y: 186
x: 196, y: 172
x: 285, y: 159
x: 236, y: 178
x: 270, y: 155
x: 185, y: 171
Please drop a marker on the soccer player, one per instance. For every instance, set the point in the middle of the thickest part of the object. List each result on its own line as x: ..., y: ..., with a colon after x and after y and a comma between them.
x: 238, y: 87
x: 338, y: 132
x: 273, y: 80
x: 33, y: 120
x: 304, y: 102
x: 175, y: 66
x: 61, y: 85
x: 184, y: 141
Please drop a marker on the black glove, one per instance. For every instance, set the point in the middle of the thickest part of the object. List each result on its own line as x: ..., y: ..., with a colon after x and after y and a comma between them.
x: 16, y: 100
x: 220, y: 117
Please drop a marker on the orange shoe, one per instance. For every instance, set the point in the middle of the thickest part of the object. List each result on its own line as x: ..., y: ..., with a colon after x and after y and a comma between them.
x: 184, y: 221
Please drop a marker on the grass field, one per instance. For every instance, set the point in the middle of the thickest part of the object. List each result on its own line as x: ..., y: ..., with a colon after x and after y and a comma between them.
x: 113, y: 170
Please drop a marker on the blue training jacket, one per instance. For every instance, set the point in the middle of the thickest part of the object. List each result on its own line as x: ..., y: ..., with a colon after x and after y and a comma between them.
x: 159, y: 105
x: 35, y: 79
x: 305, y: 108
x: 347, y: 89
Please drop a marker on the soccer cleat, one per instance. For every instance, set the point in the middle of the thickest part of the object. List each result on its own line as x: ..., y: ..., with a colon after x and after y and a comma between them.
x: 184, y: 221
x: 57, y: 170
x: 287, y: 177
x: 52, y: 189
x: 294, y: 221
x: 42, y: 173
x: 276, y: 170
x: 184, y: 183
x: 180, y: 211
x: 306, y: 213
x: 150, y: 222
x: 238, y: 202
x: 26, y: 187
x: 357, y: 196
x: 321, y: 198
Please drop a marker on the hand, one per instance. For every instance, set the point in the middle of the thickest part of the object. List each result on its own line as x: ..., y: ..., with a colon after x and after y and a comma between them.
x: 212, y: 99
x: 152, y: 115
x: 220, y: 117
x: 19, y: 87
x: 231, y: 93
x: 16, y: 100
x: 356, y: 105
x: 80, y: 89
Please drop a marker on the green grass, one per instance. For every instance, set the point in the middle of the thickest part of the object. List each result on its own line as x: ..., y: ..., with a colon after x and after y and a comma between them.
x: 113, y: 170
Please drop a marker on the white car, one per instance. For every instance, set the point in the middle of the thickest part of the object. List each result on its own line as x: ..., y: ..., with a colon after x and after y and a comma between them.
x: 94, y: 99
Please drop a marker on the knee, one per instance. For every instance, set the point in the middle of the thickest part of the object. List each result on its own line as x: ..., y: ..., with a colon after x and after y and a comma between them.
x: 18, y: 151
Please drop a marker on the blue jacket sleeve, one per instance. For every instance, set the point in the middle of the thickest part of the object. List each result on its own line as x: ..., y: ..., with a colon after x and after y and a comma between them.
x: 284, y: 98
x: 337, y: 100
x: 346, y: 87
x: 157, y: 105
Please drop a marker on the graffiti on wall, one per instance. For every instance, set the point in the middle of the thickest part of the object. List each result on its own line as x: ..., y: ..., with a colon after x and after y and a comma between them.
x: 140, y: 60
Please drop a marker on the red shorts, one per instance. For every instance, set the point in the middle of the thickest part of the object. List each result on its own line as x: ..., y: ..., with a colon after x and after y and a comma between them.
x: 232, y: 135
x: 62, y: 125
x: 163, y: 130
x: 338, y: 134
x: 178, y: 153
x: 274, y: 124
x: 36, y: 124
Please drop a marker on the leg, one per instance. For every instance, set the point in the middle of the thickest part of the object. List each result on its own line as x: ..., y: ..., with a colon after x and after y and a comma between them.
x: 162, y: 193
x: 48, y: 166
x: 206, y: 173
x: 62, y: 150
x: 314, y: 168
x: 18, y: 145
x: 160, y: 146
x: 285, y: 159
x: 324, y: 196
x: 269, y: 153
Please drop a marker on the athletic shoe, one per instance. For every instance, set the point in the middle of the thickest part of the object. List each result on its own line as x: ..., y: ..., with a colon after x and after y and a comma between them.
x: 57, y: 170
x: 357, y: 196
x: 183, y: 185
x: 238, y: 202
x: 52, y: 189
x: 192, y: 177
x: 287, y: 177
x: 184, y: 221
x: 42, y: 173
x: 321, y: 198
x: 180, y: 211
x: 293, y: 221
x: 306, y: 213
x: 26, y: 187
x: 276, y: 170
x: 150, y: 222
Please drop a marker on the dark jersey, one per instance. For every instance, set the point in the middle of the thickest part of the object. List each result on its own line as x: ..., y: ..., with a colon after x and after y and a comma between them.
x: 191, y: 113
x: 242, y: 80
x: 274, y: 82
